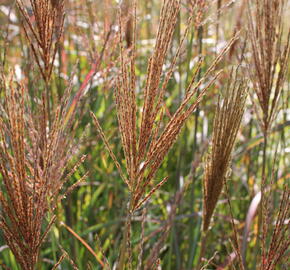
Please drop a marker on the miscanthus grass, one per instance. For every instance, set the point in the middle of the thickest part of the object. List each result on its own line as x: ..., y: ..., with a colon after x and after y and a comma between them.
x: 228, y: 117
x: 270, y: 59
x: 146, y: 141
x: 33, y: 163
x: 150, y: 100
x: 43, y: 31
x: 36, y: 142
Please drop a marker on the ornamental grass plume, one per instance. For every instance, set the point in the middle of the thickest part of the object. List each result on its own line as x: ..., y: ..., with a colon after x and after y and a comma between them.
x: 43, y: 30
x: 270, y: 54
x: 33, y: 162
x: 279, y: 237
x: 146, y: 146
x: 147, y: 140
x: 228, y: 116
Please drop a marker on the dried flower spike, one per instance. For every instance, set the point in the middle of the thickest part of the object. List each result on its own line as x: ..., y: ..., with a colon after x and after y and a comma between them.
x: 33, y: 160
x: 227, y: 122
x: 43, y: 31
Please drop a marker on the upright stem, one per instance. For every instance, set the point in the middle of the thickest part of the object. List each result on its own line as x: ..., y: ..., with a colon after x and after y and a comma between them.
x: 202, y: 249
x: 219, y: 3
x: 261, y: 209
x: 264, y: 160
x: 263, y: 186
x: 196, y: 116
x: 126, y: 236
x: 175, y: 230
x: 48, y: 101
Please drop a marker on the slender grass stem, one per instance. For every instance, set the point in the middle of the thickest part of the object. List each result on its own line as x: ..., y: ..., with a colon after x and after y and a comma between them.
x: 47, y: 93
x: 260, y: 245
x: 126, y: 242
x: 263, y: 190
x: 202, y: 248
x: 194, y: 149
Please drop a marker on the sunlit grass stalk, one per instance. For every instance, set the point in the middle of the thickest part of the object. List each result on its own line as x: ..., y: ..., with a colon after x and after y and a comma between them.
x: 227, y: 122
x: 194, y: 150
x: 33, y: 160
x: 146, y: 145
x: 270, y: 61
x: 43, y: 32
